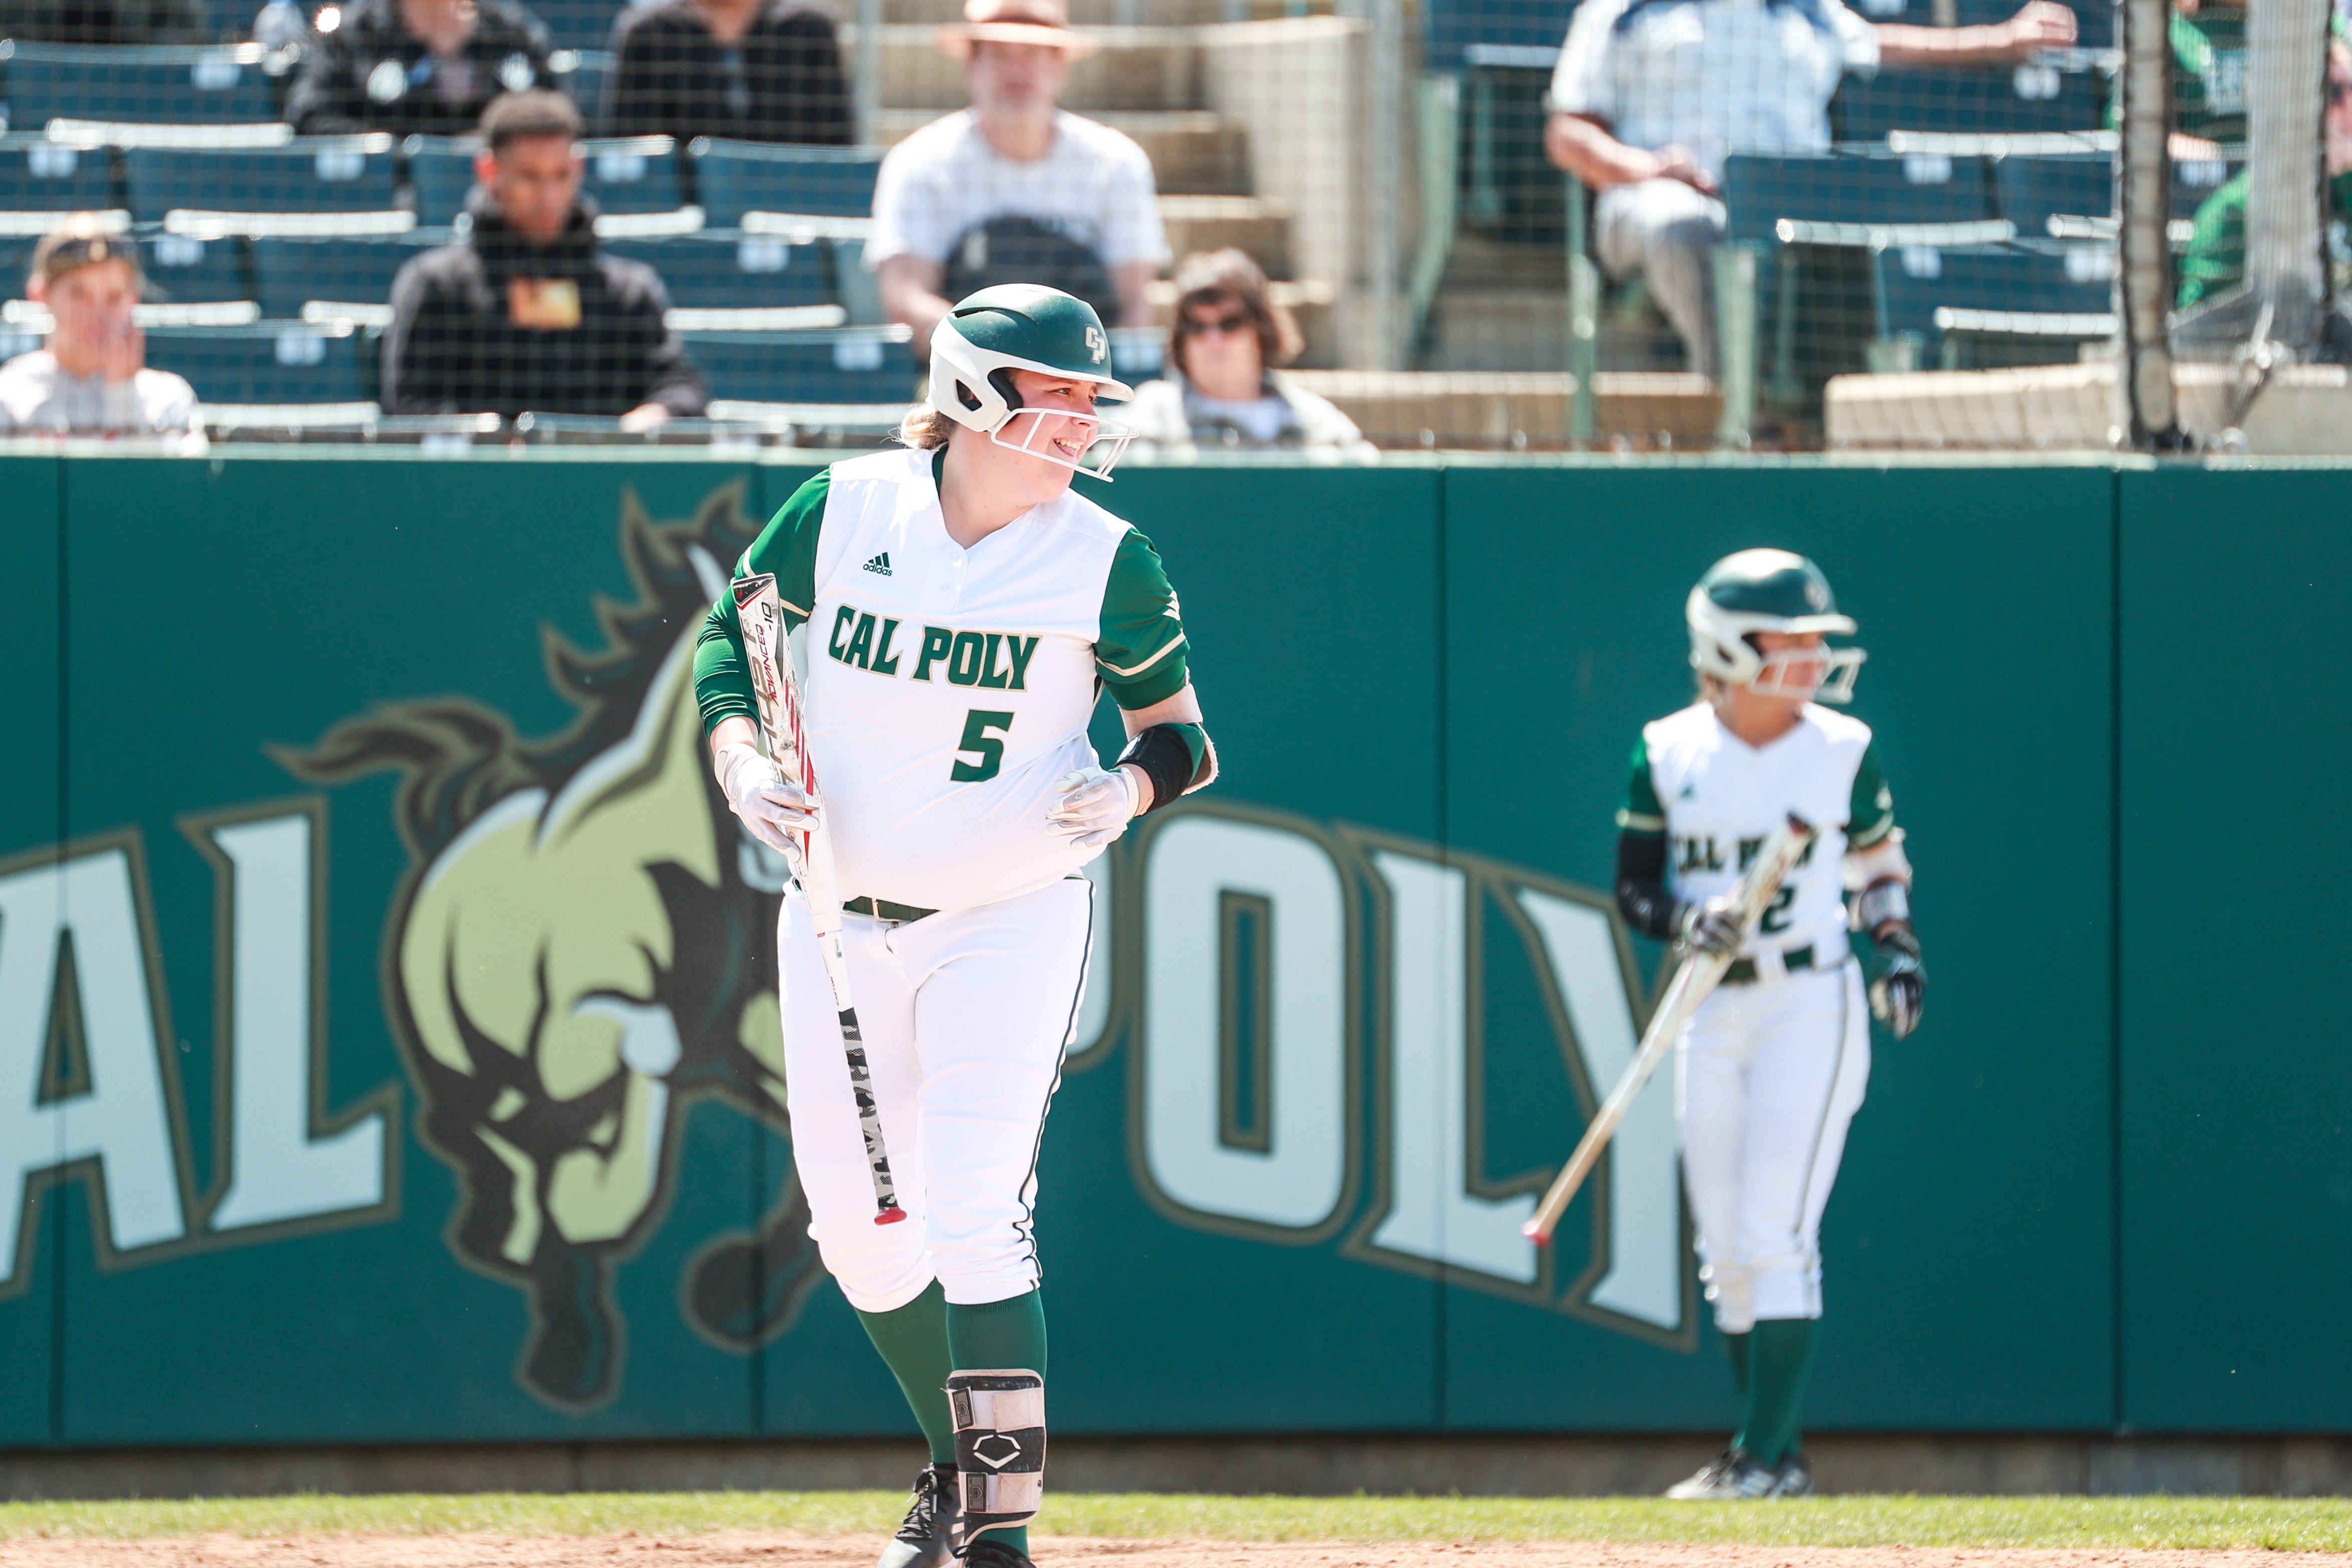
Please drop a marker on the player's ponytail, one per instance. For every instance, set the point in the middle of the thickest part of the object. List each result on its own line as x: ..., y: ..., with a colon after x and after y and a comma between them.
x: 925, y: 428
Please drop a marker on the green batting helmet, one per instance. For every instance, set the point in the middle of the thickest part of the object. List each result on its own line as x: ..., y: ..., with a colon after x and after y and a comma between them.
x: 1768, y: 591
x: 1012, y: 326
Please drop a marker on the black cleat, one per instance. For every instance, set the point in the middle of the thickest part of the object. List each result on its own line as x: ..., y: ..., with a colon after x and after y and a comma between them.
x: 926, y: 1538
x: 988, y: 1552
x: 1796, y: 1477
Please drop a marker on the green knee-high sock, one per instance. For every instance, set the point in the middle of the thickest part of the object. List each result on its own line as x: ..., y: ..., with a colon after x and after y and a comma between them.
x: 1779, y: 1359
x: 1005, y: 1334
x: 913, y: 1340
x: 1736, y: 1346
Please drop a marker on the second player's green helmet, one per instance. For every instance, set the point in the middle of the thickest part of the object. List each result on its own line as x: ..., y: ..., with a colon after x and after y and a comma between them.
x: 985, y: 338
x: 1770, y: 590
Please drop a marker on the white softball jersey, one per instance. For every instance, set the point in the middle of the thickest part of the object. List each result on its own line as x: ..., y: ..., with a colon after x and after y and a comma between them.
x: 1717, y: 799
x: 1770, y: 1070
x: 948, y: 688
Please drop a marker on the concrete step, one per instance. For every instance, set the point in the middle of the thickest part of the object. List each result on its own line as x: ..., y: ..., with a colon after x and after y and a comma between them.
x: 1085, y: 14
x: 1252, y: 225
x: 1497, y: 330
x: 1499, y: 411
x: 1135, y: 67
x: 1192, y: 152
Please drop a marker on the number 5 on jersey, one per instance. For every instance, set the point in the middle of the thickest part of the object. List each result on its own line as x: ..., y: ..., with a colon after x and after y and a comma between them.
x: 976, y: 738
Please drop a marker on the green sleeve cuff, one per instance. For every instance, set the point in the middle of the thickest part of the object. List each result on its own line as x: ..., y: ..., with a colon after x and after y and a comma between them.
x: 1870, y: 814
x: 1642, y: 813
x: 722, y: 678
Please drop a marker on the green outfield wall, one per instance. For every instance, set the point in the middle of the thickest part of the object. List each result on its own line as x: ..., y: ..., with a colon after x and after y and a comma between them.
x: 297, y: 744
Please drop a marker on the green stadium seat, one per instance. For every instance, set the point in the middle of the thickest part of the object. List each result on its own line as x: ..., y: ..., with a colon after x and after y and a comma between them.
x: 311, y: 174
x: 355, y: 270
x: 148, y: 85
x: 272, y: 362
x: 184, y: 270
x: 847, y: 365
x: 732, y: 178
x: 733, y: 271
x: 1851, y: 187
x: 2031, y: 98
x: 39, y: 175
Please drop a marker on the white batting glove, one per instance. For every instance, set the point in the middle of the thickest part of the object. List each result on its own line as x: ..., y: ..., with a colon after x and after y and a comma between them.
x: 1096, y: 806
x: 1711, y: 927
x: 770, y: 805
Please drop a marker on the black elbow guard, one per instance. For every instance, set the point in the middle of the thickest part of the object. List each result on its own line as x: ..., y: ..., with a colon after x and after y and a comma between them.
x: 1177, y: 758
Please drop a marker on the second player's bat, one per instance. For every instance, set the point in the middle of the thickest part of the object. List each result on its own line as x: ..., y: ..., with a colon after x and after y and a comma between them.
x: 1695, y: 979
x: 777, y: 690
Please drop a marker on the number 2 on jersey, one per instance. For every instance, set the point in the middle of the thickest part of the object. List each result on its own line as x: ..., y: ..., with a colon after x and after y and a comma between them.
x: 1776, y: 917
x: 976, y: 738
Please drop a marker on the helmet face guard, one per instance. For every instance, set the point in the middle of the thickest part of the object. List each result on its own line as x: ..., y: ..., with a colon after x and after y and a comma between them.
x: 1046, y: 424
x: 1833, y: 674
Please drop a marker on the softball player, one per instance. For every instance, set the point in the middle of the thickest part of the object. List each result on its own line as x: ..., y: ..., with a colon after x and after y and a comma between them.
x: 1771, y: 1068
x: 959, y: 612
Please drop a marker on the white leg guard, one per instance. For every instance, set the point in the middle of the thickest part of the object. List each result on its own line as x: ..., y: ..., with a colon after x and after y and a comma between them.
x: 1000, y: 1420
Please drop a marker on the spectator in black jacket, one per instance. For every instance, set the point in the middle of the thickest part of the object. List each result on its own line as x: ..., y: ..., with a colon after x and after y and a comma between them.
x: 525, y: 313
x: 756, y: 70
x: 416, y: 67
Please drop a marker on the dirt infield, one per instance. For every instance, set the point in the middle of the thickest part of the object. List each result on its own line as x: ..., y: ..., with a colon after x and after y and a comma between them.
x: 781, y: 1549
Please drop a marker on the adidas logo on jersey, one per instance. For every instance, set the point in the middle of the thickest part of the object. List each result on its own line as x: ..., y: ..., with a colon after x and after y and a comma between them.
x: 880, y: 563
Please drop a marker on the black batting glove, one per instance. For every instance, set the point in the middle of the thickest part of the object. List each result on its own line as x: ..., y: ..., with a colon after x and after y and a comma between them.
x: 1898, y: 981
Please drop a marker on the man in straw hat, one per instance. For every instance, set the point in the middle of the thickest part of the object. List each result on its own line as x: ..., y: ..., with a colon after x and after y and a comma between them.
x: 1013, y: 190
x: 90, y: 376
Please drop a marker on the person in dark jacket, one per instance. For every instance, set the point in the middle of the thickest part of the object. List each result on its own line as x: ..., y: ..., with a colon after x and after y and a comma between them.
x: 525, y: 313
x: 423, y: 68
x: 756, y: 70
x: 104, y: 22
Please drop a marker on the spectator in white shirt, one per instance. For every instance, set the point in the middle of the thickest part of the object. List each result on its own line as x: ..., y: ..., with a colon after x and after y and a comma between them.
x: 1013, y: 190
x: 1650, y: 94
x: 91, y: 377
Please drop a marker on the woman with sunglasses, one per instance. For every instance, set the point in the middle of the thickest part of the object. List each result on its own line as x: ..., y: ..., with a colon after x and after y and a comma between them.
x: 957, y: 612
x: 1772, y: 1067
x: 1221, y: 388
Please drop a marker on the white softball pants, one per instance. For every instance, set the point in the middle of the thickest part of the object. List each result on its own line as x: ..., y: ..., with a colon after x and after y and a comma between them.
x: 966, y: 1016
x: 1768, y: 1077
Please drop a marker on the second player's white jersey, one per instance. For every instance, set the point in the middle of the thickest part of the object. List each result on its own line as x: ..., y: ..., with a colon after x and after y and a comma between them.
x: 1721, y: 798
x: 948, y: 688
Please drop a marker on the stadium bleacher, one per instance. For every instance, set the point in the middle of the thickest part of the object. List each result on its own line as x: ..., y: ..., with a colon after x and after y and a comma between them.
x: 2050, y: 96
x: 1974, y: 306
x: 735, y: 271
x: 265, y: 362
x: 310, y: 174
x: 732, y: 178
x: 1850, y: 187
x: 164, y: 84
x: 38, y: 175
x: 845, y: 365
x: 293, y: 272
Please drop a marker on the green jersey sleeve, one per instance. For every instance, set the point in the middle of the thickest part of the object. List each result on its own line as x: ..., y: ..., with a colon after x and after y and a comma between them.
x: 1642, y: 812
x: 1139, y: 650
x: 1870, y: 815
x: 787, y: 547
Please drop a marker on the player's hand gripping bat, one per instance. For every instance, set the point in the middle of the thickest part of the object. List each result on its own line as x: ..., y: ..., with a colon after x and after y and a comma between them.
x: 1695, y: 979
x: 778, y: 692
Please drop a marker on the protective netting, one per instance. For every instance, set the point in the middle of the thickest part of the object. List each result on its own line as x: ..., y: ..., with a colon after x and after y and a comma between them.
x: 1753, y: 224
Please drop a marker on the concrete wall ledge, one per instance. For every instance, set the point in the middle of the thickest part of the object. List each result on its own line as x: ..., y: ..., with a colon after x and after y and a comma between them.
x: 1510, y: 1465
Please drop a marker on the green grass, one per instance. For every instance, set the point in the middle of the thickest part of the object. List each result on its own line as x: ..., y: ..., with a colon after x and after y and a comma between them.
x: 2319, y: 1525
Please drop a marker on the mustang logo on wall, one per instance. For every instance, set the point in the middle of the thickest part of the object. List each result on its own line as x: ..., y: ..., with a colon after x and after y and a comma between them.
x: 582, y: 948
